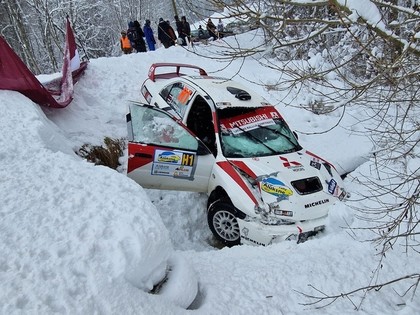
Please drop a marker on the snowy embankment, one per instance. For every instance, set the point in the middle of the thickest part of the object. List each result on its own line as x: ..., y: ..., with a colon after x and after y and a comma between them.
x: 75, y: 238
x: 81, y: 239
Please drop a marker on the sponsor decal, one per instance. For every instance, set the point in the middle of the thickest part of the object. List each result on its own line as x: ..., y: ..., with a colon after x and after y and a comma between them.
x: 178, y: 164
x: 168, y: 157
x: 276, y: 187
x: 249, y: 121
x: 342, y: 195
x: 253, y: 241
x: 162, y: 167
x: 332, y: 185
x: 287, y: 163
x: 245, y: 231
x: 316, y: 203
x: 182, y: 171
x: 315, y: 164
x: 292, y: 165
x: 161, y: 172
x: 244, y: 235
x: 297, y: 169
x: 184, y: 95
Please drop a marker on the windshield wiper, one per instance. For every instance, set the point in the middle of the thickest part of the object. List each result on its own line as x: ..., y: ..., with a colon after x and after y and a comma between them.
x: 249, y: 135
x: 281, y: 134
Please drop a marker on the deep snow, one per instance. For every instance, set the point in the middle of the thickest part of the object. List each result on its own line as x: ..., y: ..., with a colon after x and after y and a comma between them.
x: 78, y: 238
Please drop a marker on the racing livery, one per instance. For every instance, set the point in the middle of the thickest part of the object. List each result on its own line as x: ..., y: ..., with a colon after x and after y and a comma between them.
x: 200, y: 133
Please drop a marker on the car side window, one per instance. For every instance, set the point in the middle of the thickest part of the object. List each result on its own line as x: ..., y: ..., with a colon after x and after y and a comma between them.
x: 152, y: 126
x: 200, y: 122
x: 177, y: 96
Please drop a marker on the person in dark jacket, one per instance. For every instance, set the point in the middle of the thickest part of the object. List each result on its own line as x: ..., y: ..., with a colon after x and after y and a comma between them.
x: 172, y: 33
x: 131, y: 33
x: 211, y: 28
x: 185, y: 31
x: 166, y: 34
x: 178, y: 24
x: 200, y: 32
x: 150, y: 37
x: 139, y: 43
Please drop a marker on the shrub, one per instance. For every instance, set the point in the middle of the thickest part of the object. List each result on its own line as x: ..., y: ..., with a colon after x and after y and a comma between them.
x: 107, y: 155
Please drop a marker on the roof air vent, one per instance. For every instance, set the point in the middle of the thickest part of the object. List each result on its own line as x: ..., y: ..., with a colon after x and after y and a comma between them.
x: 239, y: 94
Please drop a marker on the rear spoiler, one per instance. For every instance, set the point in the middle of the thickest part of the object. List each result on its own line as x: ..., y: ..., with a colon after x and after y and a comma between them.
x: 167, y: 75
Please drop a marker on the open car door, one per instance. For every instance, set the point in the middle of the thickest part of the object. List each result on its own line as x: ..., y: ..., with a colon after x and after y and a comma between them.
x: 163, y: 154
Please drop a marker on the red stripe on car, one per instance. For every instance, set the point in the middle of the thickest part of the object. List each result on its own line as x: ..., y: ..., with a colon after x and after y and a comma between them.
x: 241, y: 165
x: 140, y: 154
x: 228, y: 168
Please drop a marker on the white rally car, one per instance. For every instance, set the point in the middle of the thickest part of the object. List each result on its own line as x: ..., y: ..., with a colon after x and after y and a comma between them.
x: 210, y: 134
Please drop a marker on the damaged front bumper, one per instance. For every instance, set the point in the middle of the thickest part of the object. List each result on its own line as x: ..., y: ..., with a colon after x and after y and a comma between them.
x: 257, y: 233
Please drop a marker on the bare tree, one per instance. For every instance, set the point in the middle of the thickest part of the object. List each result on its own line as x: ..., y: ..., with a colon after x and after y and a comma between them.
x: 36, y: 28
x: 352, y: 59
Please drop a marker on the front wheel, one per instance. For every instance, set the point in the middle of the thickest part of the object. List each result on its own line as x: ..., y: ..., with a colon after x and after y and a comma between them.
x: 223, y: 224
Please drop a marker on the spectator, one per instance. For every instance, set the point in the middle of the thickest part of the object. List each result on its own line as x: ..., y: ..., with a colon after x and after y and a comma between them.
x: 166, y: 34
x: 220, y: 28
x: 131, y: 33
x: 211, y: 28
x: 125, y: 43
x: 200, y: 32
x: 178, y: 24
x: 139, y: 43
x: 185, y: 31
x: 172, y: 33
x: 150, y: 37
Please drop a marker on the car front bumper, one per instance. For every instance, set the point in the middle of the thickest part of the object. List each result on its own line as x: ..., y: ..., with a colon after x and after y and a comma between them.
x: 256, y: 233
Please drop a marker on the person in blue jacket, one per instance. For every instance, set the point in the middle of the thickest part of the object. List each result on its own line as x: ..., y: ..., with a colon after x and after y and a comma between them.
x: 148, y: 34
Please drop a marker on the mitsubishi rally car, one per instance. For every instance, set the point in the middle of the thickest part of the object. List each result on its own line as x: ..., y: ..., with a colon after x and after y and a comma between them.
x: 202, y: 133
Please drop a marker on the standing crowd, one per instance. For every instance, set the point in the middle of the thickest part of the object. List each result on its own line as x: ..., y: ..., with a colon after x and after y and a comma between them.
x: 135, y: 38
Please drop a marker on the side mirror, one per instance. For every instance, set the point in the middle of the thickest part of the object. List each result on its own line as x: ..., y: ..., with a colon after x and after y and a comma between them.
x: 296, y: 135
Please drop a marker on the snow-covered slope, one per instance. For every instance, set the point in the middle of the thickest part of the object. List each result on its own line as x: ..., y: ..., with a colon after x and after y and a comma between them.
x: 79, y: 239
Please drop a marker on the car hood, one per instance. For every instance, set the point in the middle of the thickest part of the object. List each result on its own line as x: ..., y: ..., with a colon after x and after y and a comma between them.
x: 292, y: 166
x: 276, y: 174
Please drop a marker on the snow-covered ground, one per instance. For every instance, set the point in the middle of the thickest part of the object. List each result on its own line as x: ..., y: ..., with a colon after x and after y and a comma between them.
x: 80, y: 239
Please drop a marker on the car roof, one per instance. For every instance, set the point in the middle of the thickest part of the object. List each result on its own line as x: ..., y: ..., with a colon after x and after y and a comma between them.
x: 223, y: 91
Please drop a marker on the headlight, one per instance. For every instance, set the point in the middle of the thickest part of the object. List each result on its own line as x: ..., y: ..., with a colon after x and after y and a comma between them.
x: 285, y: 213
x: 268, y: 218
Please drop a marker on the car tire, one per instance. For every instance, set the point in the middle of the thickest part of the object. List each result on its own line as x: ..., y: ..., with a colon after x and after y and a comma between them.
x: 223, y: 223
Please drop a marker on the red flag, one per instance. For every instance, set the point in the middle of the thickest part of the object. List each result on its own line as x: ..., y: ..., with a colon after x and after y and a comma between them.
x: 71, y: 42
x: 14, y: 75
x: 71, y: 62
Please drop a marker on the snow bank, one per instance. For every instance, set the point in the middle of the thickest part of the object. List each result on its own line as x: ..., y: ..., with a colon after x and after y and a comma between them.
x: 81, y: 238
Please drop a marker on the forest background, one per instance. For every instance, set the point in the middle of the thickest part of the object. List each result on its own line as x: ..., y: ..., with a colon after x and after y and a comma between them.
x: 35, y: 29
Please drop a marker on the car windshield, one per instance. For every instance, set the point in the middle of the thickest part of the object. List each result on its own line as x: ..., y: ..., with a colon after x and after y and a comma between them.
x: 255, y: 132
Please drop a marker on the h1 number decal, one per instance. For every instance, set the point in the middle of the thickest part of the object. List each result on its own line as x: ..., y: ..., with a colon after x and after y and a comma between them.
x: 188, y: 159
